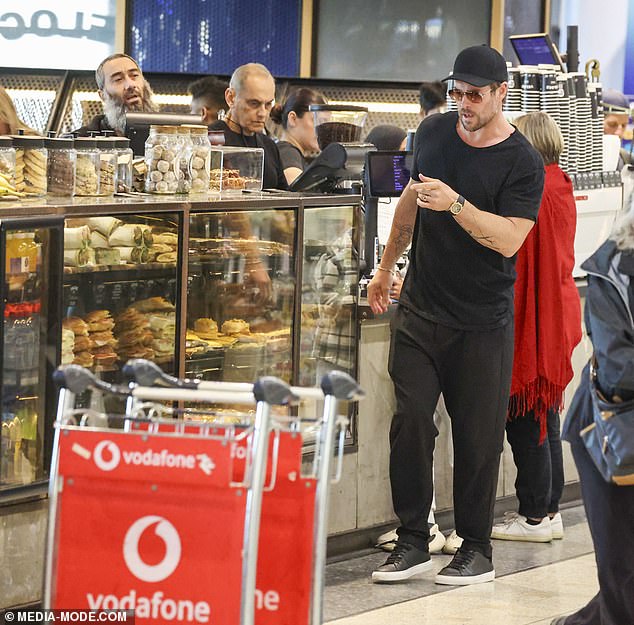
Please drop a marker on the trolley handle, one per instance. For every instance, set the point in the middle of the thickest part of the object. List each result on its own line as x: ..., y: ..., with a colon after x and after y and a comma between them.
x: 274, y: 391
x: 77, y: 379
x: 341, y: 386
x: 147, y: 373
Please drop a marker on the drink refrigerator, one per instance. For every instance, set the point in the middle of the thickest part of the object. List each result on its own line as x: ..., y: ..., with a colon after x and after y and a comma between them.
x: 30, y: 278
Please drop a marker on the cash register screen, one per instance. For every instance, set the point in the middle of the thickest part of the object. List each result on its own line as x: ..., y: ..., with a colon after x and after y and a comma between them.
x: 388, y: 173
x: 536, y: 49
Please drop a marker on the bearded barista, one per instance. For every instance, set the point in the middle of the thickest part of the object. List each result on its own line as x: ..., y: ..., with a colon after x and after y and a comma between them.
x: 122, y: 89
x: 251, y: 96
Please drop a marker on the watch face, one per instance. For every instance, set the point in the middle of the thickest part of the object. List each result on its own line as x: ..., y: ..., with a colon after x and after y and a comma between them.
x: 455, y: 208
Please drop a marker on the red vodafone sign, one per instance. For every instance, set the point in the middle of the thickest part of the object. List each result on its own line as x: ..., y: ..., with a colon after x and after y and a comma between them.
x: 152, y: 523
x: 140, y: 455
x: 144, y: 523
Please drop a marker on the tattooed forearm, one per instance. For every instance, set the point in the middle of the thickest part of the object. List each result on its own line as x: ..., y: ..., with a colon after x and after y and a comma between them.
x: 403, y: 236
x: 483, y: 238
x: 501, y: 234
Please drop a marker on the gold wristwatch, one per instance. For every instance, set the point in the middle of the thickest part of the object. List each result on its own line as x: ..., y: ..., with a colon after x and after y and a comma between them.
x: 457, y: 206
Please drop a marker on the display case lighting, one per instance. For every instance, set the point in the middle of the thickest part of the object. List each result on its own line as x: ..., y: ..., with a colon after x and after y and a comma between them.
x: 30, y: 93
x: 159, y: 98
x: 383, y: 107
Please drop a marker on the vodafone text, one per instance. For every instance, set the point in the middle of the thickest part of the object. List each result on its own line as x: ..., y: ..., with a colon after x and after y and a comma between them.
x: 107, y: 457
x: 163, y: 458
x: 179, y: 610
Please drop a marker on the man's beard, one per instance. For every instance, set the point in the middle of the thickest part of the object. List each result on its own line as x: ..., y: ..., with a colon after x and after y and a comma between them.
x: 115, y: 109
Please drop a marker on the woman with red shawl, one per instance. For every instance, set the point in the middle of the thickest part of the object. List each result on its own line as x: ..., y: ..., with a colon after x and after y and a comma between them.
x: 547, y: 328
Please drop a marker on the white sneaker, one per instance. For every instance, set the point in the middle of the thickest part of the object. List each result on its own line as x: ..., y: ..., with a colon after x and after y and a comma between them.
x: 388, y: 540
x: 557, y: 526
x: 453, y: 542
x: 515, y: 527
x: 436, y: 539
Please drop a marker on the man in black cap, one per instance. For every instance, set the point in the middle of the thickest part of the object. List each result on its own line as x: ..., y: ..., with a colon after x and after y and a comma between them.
x: 474, y: 195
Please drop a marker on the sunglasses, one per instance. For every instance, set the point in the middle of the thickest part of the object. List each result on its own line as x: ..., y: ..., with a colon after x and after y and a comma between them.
x: 472, y: 96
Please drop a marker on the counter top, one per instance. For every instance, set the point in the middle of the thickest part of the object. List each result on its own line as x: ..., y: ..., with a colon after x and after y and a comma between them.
x: 56, y: 204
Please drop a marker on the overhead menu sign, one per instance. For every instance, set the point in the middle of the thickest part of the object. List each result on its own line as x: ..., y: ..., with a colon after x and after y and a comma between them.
x: 73, y: 34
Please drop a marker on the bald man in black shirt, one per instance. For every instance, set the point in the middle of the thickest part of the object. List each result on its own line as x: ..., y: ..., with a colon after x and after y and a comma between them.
x: 251, y: 96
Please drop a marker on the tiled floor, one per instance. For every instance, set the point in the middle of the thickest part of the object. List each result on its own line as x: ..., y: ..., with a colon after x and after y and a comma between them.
x: 534, y: 584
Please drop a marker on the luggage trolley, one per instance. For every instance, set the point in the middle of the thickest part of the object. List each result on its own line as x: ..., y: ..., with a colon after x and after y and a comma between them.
x: 294, y: 519
x: 151, y: 519
x: 292, y: 526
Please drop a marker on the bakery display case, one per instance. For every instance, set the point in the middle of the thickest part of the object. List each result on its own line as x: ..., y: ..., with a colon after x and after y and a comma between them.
x: 229, y: 288
x: 272, y: 290
x: 30, y: 278
x: 120, y: 290
x: 328, y: 334
x: 241, y: 294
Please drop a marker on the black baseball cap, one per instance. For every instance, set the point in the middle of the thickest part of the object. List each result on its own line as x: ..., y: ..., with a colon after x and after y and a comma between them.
x: 479, y: 66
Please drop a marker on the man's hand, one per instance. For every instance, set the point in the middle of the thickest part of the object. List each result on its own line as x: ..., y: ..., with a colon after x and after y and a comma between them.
x: 379, y: 291
x: 397, y: 285
x: 433, y: 194
x: 257, y: 276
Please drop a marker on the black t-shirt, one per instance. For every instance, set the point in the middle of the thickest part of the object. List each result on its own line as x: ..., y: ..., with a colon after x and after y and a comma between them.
x: 291, y: 155
x: 273, y: 175
x: 452, y: 279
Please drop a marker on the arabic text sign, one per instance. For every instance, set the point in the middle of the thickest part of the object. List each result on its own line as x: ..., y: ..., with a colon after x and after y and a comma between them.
x: 52, y: 34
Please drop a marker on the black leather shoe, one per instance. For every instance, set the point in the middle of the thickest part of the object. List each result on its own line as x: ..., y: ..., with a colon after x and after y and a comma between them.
x: 560, y: 620
x: 404, y: 562
x: 467, y: 567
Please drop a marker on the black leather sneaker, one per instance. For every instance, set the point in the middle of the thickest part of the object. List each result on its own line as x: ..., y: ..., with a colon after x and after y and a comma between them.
x: 404, y: 562
x: 467, y: 567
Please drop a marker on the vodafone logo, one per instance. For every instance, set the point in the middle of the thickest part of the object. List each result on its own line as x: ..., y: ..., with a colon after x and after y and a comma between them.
x: 164, y: 530
x: 112, y: 455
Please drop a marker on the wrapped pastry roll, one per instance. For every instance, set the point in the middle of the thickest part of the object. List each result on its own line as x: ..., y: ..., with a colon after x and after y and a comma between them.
x: 148, y: 238
x: 159, y: 248
x: 75, y: 238
x: 167, y: 257
x: 98, y: 240
x: 103, y: 225
x: 167, y: 238
x: 133, y: 254
x: 108, y: 256
x: 130, y: 235
x: 79, y: 258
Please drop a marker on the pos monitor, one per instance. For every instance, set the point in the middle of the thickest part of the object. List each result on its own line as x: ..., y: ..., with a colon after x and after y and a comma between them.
x: 388, y: 172
x: 535, y: 49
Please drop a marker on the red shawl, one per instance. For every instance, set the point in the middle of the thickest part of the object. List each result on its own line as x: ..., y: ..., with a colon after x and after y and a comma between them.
x: 547, y: 306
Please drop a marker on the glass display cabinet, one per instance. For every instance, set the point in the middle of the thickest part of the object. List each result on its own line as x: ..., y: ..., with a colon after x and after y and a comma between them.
x: 329, y: 293
x: 30, y: 277
x: 272, y: 289
x: 241, y: 294
x: 121, y: 291
x: 231, y: 289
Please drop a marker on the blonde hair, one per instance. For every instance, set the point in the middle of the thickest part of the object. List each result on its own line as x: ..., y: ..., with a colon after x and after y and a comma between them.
x: 9, y: 115
x: 542, y: 132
